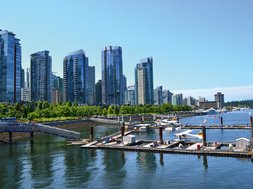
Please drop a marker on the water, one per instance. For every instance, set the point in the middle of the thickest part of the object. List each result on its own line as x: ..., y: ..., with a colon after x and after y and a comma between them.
x: 49, y: 163
x: 229, y: 118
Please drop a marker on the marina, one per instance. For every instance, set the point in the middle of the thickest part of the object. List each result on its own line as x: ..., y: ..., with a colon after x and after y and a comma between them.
x: 50, y: 162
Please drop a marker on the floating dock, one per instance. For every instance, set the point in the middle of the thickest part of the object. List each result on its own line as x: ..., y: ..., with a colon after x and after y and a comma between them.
x: 192, y: 150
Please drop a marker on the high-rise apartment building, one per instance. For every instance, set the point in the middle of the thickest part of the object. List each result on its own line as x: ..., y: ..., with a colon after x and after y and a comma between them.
x: 10, y: 67
x: 78, y: 78
x: 158, y: 95
x: 91, y: 86
x: 41, y: 74
x: 130, y: 95
x: 22, y: 78
x: 98, y: 90
x: 57, y: 89
x: 167, y: 96
x: 177, y: 99
x: 112, y: 76
x: 144, y: 90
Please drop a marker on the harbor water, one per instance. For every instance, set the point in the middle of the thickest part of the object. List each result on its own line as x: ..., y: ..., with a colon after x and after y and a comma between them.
x: 50, y: 163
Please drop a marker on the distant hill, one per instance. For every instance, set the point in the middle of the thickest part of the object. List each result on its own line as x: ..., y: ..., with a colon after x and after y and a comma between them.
x: 243, y: 103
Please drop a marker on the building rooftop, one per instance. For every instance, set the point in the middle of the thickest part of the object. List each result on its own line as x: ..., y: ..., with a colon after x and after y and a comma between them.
x: 80, y: 51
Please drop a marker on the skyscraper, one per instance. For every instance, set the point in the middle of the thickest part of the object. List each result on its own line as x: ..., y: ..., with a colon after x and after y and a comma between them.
x: 57, y: 89
x: 22, y: 78
x: 99, y: 92
x: 41, y: 74
x: 144, y: 93
x: 158, y: 95
x: 78, y: 78
x: 10, y: 67
x: 167, y: 96
x: 91, y: 86
x: 112, y: 76
x: 130, y: 95
x: 177, y: 99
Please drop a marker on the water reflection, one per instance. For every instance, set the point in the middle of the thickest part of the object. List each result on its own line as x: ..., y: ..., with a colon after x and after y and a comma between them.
x: 161, y: 159
x: 78, y: 166
x: 114, y: 168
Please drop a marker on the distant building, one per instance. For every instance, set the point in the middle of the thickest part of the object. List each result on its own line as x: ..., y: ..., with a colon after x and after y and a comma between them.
x: 208, y: 105
x: 130, y: 95
x: 22, y: 78
x: 177, y: 99
x: 144, y: 90
x: 78, y: 78
x: 112, y: 76
x: 26, y: 90
x: 216, y: 104
x: 91, y: 86
x: 191, y: 101
x: 219, y: 98
x: 25, y: 95
x: 10, y: 67
x: 158, y: 95
x: 57, y: 89
x: 41, y: 74
x: 167, y: 96
x: 98, y: 90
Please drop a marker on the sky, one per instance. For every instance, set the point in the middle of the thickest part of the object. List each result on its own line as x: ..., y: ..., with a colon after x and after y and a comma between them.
x: 199, y: 47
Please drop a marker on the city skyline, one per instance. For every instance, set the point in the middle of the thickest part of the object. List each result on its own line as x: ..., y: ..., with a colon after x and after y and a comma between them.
x: 194, y: 50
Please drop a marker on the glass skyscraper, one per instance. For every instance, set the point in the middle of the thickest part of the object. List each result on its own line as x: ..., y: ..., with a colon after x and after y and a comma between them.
x: 78, y: 79
x: 10, y: 67
x: 41, y: 75
x: 158, y: 95
x: 113, y: 83
x: 144, y: 90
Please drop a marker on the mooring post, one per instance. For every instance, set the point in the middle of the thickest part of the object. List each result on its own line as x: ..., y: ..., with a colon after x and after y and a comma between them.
x: 251, y: 124
x: 204, y: 135
x: 142, y: 119
x: 161, y: 134
x: 154, y: 117
x: 10, y: 137
x: 91, y: 134
x: 251, y: 121
x: 122, y: 131
x: 221, y: 121
x: 32, y: 137
x: 130, y: 119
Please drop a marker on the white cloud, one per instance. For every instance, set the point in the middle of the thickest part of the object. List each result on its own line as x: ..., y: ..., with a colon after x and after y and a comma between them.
x: 230, y: 93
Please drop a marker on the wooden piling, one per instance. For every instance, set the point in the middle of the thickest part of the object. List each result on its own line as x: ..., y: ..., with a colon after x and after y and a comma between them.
x: 91, y: 134
x: 32, y: 137
x: 251, y: 124
x: 221, y: 121
x: 10, y: 137
x: 142, y: 119
x: 122, y: 132
x: 161, y: 134
x: 251, y: 121
x: 204, y: 135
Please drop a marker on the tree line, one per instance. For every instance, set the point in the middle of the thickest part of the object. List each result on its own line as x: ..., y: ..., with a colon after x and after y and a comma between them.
x: 47, y: 111
x: 243, y: 103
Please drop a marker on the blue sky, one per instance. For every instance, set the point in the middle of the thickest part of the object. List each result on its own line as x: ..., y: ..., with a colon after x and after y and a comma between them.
x: 196, y: 45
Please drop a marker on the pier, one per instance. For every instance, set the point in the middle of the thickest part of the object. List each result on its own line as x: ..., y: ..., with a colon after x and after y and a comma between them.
x: 178, y: 146
x: 10, y: 128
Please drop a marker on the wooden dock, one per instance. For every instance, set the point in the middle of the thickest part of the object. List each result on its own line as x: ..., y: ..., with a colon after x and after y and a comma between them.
x: 208, y: 152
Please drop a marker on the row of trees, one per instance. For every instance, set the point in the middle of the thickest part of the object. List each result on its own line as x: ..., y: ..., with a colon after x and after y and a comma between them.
x: 243, y: 103
x: 38, y: 110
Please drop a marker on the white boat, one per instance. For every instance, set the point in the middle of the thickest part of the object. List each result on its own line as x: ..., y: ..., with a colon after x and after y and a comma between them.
x: 187, y: 134
x: 167, y: 122
x: 171, y: 129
